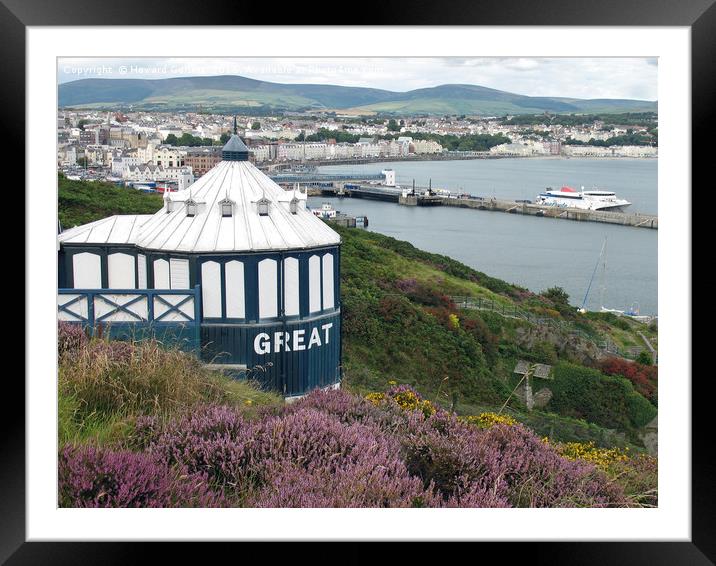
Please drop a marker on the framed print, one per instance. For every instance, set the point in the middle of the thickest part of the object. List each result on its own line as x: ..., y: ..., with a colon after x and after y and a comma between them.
x: 414, y: 302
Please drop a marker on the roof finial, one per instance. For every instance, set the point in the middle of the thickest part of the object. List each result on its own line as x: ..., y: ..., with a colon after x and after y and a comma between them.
x: 235, y: 128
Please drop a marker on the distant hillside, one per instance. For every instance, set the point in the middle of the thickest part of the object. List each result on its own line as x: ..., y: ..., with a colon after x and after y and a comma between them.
x: 235, y: 93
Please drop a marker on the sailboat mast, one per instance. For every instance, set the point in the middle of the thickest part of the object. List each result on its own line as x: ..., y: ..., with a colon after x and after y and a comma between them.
x: 591, y: 279
x: 604, y: 272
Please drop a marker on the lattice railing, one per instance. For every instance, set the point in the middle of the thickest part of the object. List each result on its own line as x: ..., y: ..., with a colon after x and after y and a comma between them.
x: 135, y: 308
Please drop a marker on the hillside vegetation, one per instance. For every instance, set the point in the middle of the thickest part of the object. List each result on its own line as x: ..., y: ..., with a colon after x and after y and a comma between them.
x: 142, y: 426
x: 401, y: 332
x: 401, y: 324
x: 80, y: 202
x: 234, y: 93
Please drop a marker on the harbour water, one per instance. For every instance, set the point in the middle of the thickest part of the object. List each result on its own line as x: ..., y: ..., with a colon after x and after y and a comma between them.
x: 536, y: 253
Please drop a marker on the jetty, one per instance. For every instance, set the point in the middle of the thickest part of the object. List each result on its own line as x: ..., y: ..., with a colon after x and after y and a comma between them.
x: 515, y: 207
x: 367, y: 186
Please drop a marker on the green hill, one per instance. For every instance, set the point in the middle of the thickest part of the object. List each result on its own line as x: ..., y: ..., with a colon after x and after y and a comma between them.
x: 235, y: 94
x: 80, y: 202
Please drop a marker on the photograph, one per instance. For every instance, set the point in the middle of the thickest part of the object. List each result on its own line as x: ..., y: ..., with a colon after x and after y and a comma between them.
x: 402, y: 282
x: 358, y: 282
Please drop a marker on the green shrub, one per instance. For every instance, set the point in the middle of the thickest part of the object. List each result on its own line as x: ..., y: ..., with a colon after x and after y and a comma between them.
x: 608, y: 401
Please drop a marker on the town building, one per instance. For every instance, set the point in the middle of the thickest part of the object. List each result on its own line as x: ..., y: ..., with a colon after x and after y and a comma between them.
x: 179, y: 178
x: 202, y: 159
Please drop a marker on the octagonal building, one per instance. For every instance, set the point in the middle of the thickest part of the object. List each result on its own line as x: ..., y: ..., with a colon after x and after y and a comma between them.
x: 263, y: 268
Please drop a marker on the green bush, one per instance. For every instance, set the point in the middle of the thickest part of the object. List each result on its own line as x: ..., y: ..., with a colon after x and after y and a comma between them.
x: 608, y: 401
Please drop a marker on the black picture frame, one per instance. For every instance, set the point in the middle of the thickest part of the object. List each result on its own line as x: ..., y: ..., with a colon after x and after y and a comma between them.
x: 699, y: 15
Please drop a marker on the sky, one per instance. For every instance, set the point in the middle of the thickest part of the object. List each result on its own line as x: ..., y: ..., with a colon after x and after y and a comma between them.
x: 603, y: 77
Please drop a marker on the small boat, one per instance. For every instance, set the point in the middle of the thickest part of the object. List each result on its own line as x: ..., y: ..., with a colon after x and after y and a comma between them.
x: 326, y: 211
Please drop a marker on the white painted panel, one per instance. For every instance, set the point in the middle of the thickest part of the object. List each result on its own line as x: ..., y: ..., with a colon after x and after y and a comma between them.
x: 314, y: 284
x: 211, y: 289
x: 268, y: 303
x: 87, y: 271
x: 103, y: 307
x: 328, y: 300
x: 235, y: 300
x: 179, y: 269
x: 120, y: 271
x: 142, y: 271
x: 78, y: 309
x: 160, y: 308
x: 290, y: 286
x: 161, y: 274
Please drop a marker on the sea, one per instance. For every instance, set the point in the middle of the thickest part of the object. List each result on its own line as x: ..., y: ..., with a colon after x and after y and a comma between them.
x: 533, y: 252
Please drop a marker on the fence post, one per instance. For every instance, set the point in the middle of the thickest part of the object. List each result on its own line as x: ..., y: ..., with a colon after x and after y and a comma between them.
x: 90, y: 312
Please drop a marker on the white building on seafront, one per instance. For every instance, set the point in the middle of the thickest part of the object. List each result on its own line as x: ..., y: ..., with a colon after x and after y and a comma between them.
x: 181, y: 177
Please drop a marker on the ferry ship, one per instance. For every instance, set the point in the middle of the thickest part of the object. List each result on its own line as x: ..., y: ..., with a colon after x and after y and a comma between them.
x: 567, y: 197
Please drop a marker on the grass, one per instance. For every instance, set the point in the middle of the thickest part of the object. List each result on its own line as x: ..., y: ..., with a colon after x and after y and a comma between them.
x: 103, y: 386
x: 81, y: 202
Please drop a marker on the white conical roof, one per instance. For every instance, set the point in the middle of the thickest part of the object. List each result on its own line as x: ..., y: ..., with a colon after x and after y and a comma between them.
x: 245, y: 230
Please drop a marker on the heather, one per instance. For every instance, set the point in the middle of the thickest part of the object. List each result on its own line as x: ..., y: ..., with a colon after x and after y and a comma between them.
x: 336, y: 449
x: 96, y: 477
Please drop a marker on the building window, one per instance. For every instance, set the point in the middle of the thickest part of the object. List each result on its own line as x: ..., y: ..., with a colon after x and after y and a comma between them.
x: 192, y: 207
x: 142, y: 271
x: 290, y: 287
x: 211, y: 289
x: 87, y: 271
x: 120, y: 271
x: 161, y: 274
x: 293, y: 205
x: 314, y: 284
x: 268, y: 304
x: 179, y: 271
x: 263, y: 206
x: 328, y: 295
x: 234, y: 279
x: 227, y: 208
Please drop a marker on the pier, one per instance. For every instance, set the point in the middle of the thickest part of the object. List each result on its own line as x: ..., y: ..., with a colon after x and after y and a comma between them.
x: 635, y: 220
x: 625, y: 219
x: 365, y: 186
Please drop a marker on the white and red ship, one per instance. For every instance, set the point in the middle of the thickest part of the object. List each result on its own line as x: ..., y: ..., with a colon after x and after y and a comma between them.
x: 567, y: 197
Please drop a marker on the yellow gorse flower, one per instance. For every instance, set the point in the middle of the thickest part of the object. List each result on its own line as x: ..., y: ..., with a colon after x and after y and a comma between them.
x: 486, y: 420
x: 587, y: 451
x: 375, y: 398
x: 406, y: 400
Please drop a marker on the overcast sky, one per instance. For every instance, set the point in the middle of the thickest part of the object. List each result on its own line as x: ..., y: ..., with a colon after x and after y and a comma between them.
x: 570, y: 77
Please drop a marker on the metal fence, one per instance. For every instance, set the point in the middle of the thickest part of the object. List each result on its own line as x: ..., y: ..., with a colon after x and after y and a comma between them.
x: 512, y: 311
